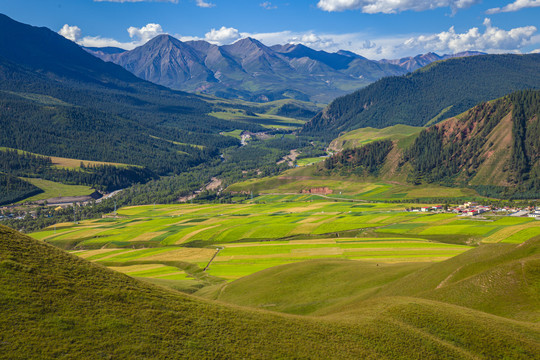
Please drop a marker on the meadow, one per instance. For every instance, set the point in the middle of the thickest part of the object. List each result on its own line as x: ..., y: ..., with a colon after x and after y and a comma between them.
x: 359, y: 310
x: 52, y: 189
x: 359, y: 137
x: 68, y: 163
x: 174, y: 243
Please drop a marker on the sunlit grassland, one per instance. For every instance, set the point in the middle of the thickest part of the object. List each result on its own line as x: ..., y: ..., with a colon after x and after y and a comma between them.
x: 309, y: 161
x: 265, y: 120
x: 56, y: 304
x: 68, y: 163
x: 274, y: 230
x: 53, y: 189
x: 363, y: 136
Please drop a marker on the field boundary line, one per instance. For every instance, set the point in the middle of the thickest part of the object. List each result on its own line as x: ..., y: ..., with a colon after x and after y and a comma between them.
x: 213, y: 257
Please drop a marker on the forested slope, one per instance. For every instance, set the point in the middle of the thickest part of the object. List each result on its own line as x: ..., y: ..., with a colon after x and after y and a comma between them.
x: 434, y: 93
x: 493, y: 147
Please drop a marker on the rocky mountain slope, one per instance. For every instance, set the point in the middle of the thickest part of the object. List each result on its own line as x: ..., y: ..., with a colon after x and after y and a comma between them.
x: 250, y: 70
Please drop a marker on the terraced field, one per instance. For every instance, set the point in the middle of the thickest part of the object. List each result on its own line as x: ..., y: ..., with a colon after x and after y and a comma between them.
x: 176, y: 242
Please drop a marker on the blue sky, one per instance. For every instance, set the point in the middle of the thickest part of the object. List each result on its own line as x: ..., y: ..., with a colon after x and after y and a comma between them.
x: 373, y: 28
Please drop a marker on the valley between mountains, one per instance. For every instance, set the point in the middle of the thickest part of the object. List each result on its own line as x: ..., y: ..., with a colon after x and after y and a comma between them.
x: 191, y: 200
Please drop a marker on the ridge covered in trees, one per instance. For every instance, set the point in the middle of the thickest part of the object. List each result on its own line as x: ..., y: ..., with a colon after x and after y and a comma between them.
x: 436, y: 92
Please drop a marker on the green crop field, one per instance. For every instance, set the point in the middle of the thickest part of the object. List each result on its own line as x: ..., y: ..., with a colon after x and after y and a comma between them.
x: 53, y: 189
x: 309, y: 161
x: 274, y: 230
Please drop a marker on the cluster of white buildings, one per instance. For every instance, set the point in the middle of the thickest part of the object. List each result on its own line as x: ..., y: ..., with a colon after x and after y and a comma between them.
x: 474, y: 209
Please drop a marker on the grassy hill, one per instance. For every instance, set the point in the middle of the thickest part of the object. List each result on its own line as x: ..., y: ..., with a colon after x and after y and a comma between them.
x: 55, y: 305
x: 363, y: 136
x: 434, y: 93
x: 501, y: 279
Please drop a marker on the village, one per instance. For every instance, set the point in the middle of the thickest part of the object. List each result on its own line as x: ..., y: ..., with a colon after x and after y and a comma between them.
x: 475, y: 209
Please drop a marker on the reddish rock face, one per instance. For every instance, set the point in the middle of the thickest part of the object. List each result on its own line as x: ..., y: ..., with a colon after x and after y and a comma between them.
x: 319, y: 190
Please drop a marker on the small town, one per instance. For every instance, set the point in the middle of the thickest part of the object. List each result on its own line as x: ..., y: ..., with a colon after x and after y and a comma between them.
x: 475, y: 209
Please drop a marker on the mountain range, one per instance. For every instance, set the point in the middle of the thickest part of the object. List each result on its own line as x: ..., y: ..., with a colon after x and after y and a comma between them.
x: 250, y: 70
x: 412, y: 63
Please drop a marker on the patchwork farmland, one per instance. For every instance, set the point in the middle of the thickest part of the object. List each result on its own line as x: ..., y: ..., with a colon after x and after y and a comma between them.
x: 173, y: 244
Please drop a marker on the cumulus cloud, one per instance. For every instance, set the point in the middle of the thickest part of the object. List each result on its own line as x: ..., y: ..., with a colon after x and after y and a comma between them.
x: 139, y: 36
x: 72, y: 33
x: 392, y: 6
x: 224, y: 35
x: 492, y: 39
x: 268, y: 5
x: 204, y: 4
x: 147, y: 32
x: 515, y: 6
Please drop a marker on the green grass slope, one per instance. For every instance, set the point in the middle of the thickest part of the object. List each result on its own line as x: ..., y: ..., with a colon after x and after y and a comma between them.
x: 360, y: 137
x: 54, y: 305
x: 302, y: 288
x: 502, y: 279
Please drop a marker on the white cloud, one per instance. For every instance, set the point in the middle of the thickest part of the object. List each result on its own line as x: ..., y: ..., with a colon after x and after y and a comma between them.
x: 492, y: 39
x: 139, y: 36
x: 72, y: 33
x: 224, y: 35
x: 536, y: 51
x: 392, y: 6
x: 268, y: 5
x: 515, y: 6
x: 142, y: 35
x: 204, y: 4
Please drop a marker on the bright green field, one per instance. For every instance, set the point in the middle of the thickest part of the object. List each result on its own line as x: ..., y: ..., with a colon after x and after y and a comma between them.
x: 54, y: 189
x: 275, y: 230
x: 363, y: 136
x: 309, y: 161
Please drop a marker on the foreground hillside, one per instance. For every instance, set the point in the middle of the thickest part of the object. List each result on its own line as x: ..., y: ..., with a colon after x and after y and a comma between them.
x: 431, y: 94
x: 501, y: 279
x: 55, y: 305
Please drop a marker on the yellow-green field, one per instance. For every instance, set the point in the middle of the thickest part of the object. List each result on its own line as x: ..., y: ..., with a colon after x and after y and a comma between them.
x: 175, y: 242
x: 309, y: 161
x: 67, y: 163
x: 53, y: 189
x: 363, y: 136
